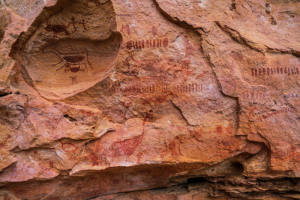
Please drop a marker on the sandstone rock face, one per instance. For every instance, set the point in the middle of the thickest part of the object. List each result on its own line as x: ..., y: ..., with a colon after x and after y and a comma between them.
x: 112, y: 99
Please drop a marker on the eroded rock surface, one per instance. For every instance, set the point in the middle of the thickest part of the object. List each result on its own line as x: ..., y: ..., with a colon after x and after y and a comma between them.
x: 112, y: 99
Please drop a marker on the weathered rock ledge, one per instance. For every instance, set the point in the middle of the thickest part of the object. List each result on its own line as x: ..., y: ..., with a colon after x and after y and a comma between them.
x: 149, y: 99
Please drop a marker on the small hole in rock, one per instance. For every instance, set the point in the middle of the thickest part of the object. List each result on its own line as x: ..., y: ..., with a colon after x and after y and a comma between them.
x: 71, y: 119
x: 4, y: 94
x: 196, y: 180
x: 237, y: 168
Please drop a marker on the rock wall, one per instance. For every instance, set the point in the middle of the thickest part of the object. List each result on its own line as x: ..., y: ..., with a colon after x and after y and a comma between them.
x: 117, y: 99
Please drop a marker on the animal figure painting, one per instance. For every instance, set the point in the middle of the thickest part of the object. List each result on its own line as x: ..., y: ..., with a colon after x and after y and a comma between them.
x: 72, y: 62
x: 60, y: 28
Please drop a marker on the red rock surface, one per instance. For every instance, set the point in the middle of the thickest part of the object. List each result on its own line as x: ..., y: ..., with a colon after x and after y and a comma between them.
x: 111, y: 99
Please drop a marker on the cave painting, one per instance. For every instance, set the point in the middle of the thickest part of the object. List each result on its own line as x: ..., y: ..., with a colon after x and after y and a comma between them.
x: 127, y: 147
x: 126, y: 28
x: 143, y: 88
x: 74, y: 79
x: 254, y: 95
x: 70, y: 52
x: 290, y: 96
x: 271, y: 71
x: 147, y: 44
x: 59, y: 28
x: 72, y: 62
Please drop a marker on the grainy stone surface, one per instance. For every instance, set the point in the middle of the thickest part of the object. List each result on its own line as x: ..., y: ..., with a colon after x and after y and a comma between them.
x: 112, y: 99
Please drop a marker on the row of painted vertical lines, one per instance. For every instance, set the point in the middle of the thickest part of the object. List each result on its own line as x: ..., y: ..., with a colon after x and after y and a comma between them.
x: 157, y: 88
x: 271, y: 71
x: 148, y: 44
x: 254, y: 95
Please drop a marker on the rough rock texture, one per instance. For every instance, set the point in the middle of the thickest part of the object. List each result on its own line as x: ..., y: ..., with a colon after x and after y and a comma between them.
x: 149, y: 99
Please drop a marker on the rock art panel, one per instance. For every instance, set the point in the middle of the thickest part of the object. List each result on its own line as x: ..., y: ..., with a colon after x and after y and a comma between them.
x: 110, y: 99
x: 69, y: 52
x: 165, y: 76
